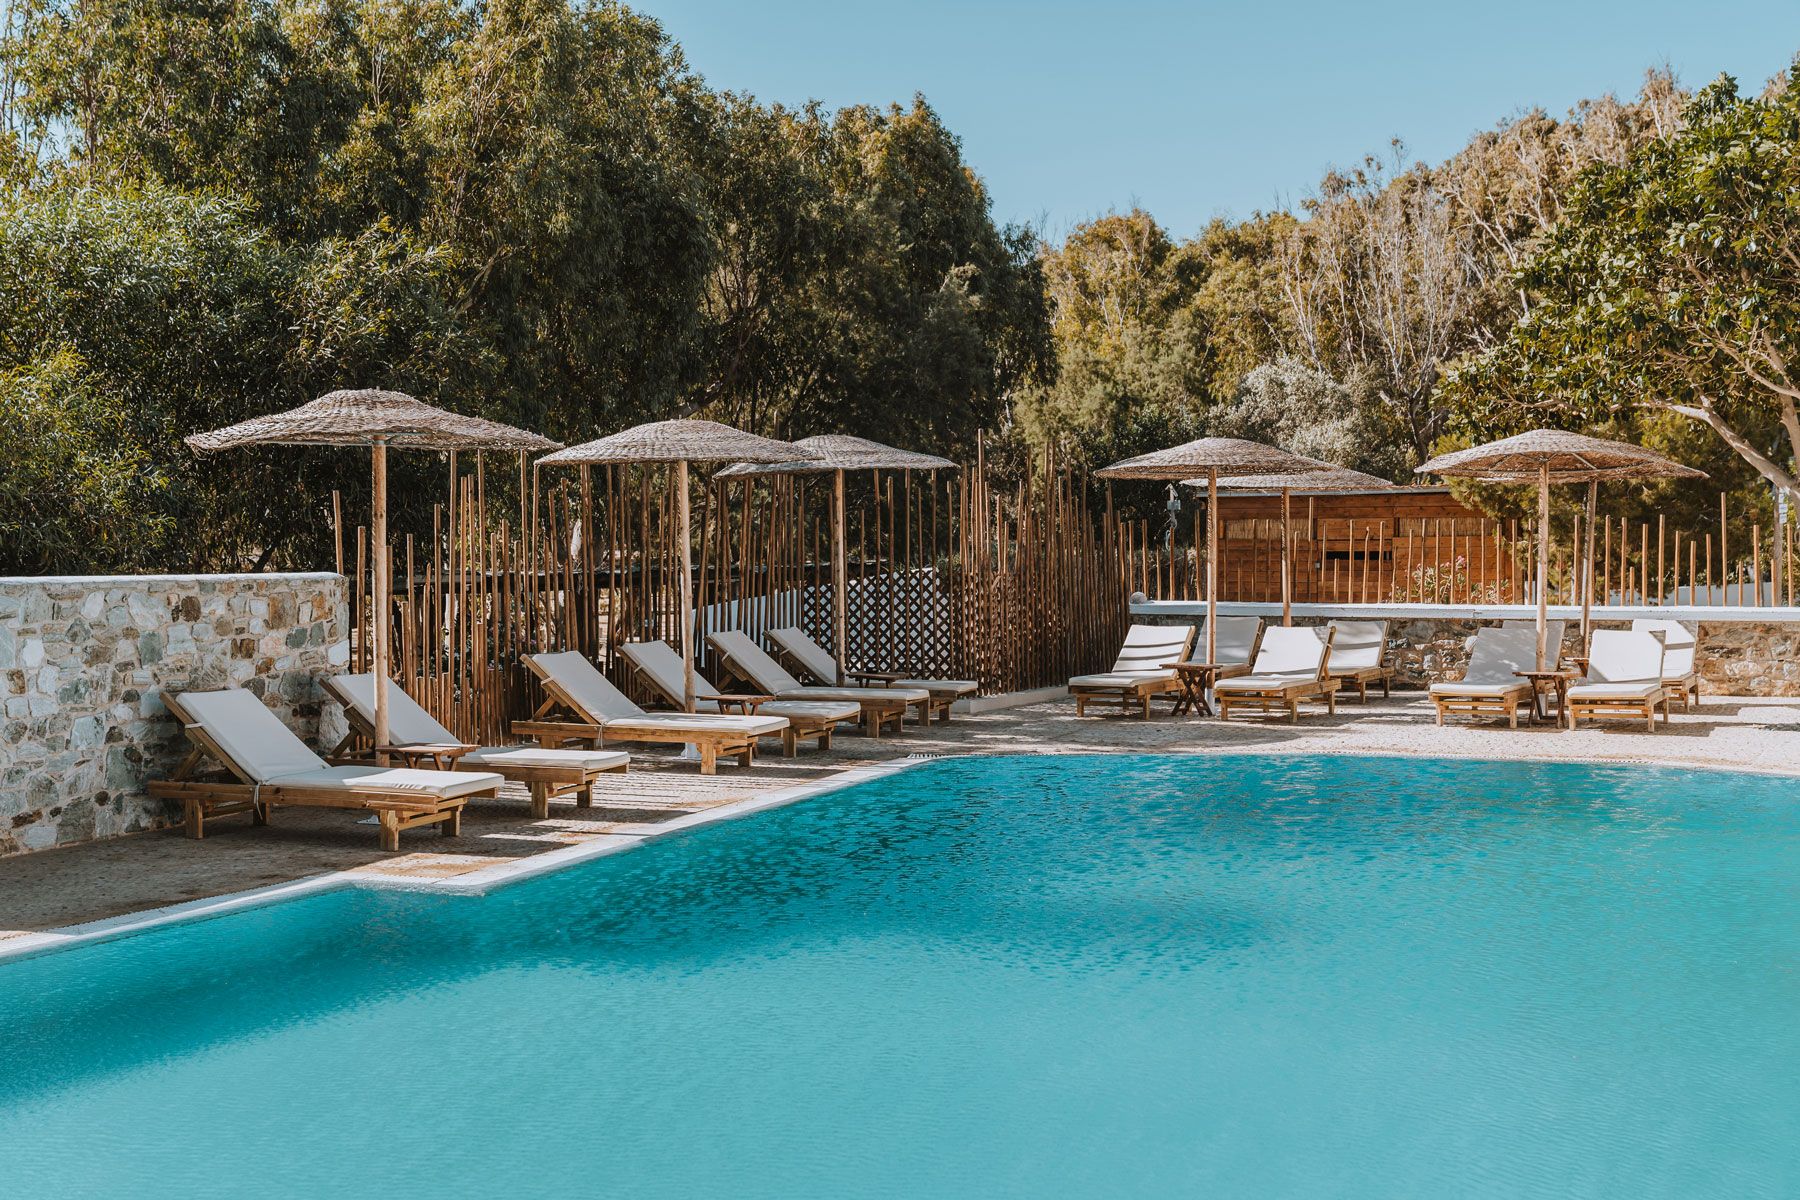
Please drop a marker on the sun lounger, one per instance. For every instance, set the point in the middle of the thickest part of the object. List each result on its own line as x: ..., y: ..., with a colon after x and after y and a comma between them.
x: 270, y: 766
x: 813, y: 661
x: 660, y: 667
x: 1359, y: 657
x: 1679, y: 646
x: 744, y: 660
x: 418, y: 740
x: 1624, y: 678
x: 1141, y: 672
x: 1234, y: 646
x: 1491, y: 686
x: 599, y: 713
x: 1289, y: 668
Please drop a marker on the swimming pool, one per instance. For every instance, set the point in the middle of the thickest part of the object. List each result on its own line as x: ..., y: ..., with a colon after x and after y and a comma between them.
x: 1036, y: 976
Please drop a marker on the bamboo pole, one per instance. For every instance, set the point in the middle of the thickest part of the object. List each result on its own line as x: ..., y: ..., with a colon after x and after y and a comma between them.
x: 1543, y: 562
x: 378, y: 524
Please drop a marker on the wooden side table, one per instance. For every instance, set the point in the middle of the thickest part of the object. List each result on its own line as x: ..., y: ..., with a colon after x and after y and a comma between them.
x: 1196, y: 682
x: 1558, y: 681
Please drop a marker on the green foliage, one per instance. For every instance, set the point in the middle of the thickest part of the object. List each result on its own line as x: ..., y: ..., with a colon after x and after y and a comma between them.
x: 1286, y: 403
x: 527, y: 209
x: 1666, y: 303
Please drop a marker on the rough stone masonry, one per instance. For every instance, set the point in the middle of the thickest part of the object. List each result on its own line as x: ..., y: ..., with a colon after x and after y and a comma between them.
x: 84, y: 662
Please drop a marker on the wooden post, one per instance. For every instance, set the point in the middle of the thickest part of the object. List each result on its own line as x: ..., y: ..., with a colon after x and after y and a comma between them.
x: 840, y: 577
x: 1287, y: 585
x: 1212, y: 563
x: 1587, y: 564
x: 382, y: 589
x: 687, y: 587
x: 1543, y: 561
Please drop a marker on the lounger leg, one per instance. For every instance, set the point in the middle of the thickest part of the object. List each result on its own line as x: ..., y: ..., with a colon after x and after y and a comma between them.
x: 709, y: 758
x: 1080, y: 705
x: 944, y: 713
x: 196, y: 819
x: 1293, y: 712
x: 584, y: 796
x: 540, y: 799
x: 825, y: 738
x: 390, y: 830
x: 1440, y: 714
x: 747, y: 756
x: 453, y: 827
x: 872, y: 723
x: 1387, y: 687
x: 790, y: 742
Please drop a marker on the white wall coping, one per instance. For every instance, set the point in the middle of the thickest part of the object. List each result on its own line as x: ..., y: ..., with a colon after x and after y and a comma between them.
x: 1743, y: 614
x: 129, y: 581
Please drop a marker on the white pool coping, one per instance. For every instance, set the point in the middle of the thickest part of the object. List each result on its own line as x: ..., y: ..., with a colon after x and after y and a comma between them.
x: 503, y: 873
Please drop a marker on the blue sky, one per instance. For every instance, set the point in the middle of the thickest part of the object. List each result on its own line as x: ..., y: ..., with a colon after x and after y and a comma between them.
x: 1196, y: 110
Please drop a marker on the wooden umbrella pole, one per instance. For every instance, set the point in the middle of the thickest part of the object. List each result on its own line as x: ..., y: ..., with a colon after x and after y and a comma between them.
x: 382, y: 589
x: 1587, y: 568
x: 840, y: 577
x: 1212, y: 562
x: 1287, y: 585
x: 687, y: 587
x: 1543, y: 561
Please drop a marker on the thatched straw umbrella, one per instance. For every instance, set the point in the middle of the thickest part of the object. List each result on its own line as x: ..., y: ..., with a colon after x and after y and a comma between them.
x: 1556, y: 456
x: 377, y: 419
x: 1213, y: 458
x: 678, y: 443
x: 838, y: 453
x: 1327, y: 477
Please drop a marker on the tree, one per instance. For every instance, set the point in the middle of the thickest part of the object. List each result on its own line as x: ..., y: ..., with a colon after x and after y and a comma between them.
x: 1671, y: 286
x: 1289, y: 404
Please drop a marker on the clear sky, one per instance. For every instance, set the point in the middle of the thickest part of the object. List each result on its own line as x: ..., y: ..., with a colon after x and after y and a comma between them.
x: 1197, y: 110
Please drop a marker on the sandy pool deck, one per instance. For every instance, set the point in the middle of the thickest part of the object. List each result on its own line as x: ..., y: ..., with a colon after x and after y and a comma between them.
x: 57, y: 888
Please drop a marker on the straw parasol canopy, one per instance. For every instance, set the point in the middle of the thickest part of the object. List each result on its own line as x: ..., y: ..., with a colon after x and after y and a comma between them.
x: 842, y: 452
x: 1557, y: 456
x: 679, y: 443
x: 1323, y: 477
x: 838, y: 453
x: 377, y: 419
x: 1212, y: 458
x: 357, y: 417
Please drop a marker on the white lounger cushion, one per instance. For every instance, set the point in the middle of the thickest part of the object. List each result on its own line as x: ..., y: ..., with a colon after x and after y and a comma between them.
x: 398, y: 781
x: 409, y: 724
x: 820, y: 664
x: 662, y: 666
x: 1357, y: 645
x: 1553, y: 640
x: 1148, y: 648
x: 1679, y: 645
x: 253, y: 737
x: 1495, y: 657
x: 1520, y: 687
x: 678, y: 722
x: 1623, y: 656
x: 749, y: 658
x: 1234, y: 643
x: 600, y: 701
x: 1622, y: 690
x: 1289, y: 650
x: 1264, y: 683
x: 1120, y: 679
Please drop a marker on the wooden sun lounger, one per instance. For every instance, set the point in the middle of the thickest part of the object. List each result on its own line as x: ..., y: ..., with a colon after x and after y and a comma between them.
x: 1624, y: 679
x: 1290, y: 668
x: 1140, y: 673
x: 658, y: 665
x: 400, y: 798
x: 599, y: 713
x: 418, y: 740
x: 1680, y: 645
x: 746, y: 662
x: 801, y: 652
x: 1491, y: 685
x: 1359, y: 657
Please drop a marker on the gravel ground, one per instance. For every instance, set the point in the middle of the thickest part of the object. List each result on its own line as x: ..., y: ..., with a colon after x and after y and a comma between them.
x: 83, y: 883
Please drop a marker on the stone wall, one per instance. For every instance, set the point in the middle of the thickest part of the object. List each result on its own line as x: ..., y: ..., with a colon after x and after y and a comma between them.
x: 83, y: 663
x: 1736, y: 658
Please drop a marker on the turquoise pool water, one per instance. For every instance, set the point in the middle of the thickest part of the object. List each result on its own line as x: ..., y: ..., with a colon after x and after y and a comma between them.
x: 1021, y: 977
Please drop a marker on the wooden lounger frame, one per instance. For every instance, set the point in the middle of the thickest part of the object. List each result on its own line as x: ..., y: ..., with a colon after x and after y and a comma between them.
x: 544, y: 783
x: 878, y: 712
x: 1485, y: 706
x: 1137, y: 694
x: 1686, y: 689
x: 1288, y: 696
x: 1362, y: 677
x: 552, y: 734
x: 203, y: 800
x: 1592, y: 707
x: 936, y: 703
